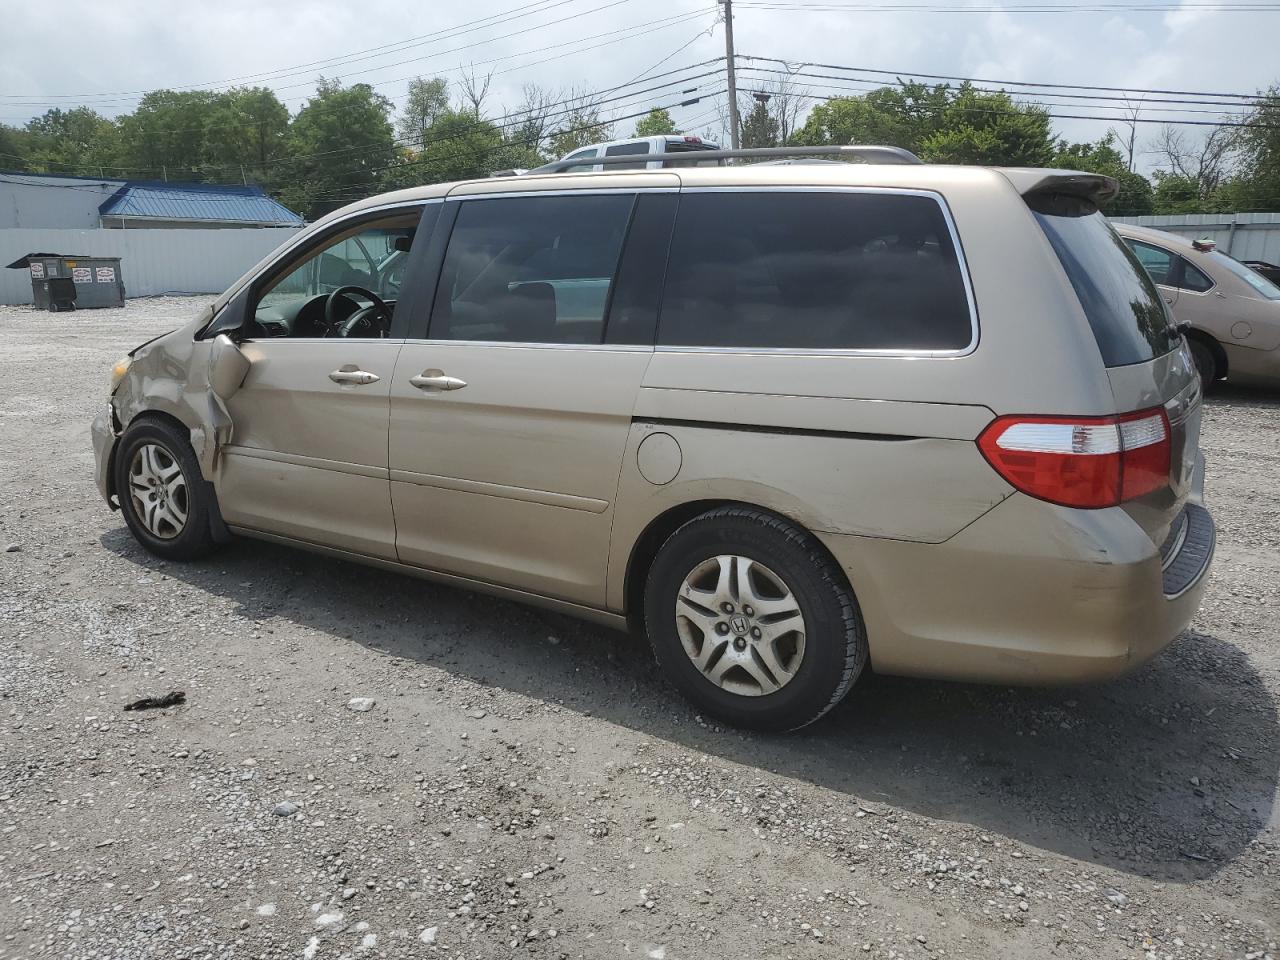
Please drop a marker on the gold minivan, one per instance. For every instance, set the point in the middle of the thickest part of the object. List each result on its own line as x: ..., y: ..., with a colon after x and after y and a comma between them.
x: 786, y: 419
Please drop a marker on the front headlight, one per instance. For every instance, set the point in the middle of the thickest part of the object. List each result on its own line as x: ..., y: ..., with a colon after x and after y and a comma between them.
x: 118, y: 371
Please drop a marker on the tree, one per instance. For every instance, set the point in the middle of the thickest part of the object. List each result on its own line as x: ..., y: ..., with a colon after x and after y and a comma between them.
x: 759, y: 129
x: 340, y: 143
x: 426, y: 101
x: 1136, y: 196
x: 579, y: 125
x: 165, y: 135
x: 1256, y: 185
x: 457, y: 146
x: 13, y: 148
x: 942, y: 124
x: 74, y: 142
x: 1205, y: 164
x: 655, y: 123
x: 245, y: 135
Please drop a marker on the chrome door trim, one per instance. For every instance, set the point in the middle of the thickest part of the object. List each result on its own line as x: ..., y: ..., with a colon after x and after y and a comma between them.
x: 561, y: 192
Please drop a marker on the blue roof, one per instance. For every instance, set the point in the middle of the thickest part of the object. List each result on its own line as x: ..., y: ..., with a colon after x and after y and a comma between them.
x: 197, y: 201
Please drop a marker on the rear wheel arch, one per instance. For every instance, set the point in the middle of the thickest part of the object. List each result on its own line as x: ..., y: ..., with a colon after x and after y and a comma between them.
x: 645, y: 549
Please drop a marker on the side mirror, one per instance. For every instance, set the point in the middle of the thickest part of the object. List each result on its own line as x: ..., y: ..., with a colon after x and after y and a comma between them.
x: 227, y: 367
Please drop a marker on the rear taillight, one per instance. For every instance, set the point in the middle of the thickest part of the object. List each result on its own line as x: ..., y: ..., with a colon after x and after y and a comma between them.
x: 1081, y: 461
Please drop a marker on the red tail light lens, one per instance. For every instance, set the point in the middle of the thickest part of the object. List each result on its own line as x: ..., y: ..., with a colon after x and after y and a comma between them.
x: 1089, y: 462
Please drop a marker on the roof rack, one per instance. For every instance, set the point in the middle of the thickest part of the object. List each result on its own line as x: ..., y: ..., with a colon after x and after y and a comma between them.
x: 869, y: 154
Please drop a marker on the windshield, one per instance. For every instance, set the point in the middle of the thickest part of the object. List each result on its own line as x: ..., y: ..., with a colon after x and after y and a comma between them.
x: 1128, y: 318
x: 1254, y: 279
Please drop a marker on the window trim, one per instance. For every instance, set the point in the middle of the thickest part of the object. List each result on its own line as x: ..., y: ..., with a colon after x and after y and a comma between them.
x: 961, y: 261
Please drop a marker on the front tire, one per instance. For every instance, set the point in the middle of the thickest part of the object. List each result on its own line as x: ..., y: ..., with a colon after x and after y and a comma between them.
x: 162, y: 494
x: 752, y: 621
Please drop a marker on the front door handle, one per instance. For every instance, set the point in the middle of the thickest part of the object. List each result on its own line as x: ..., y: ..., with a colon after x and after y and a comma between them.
x: 436, y: 380
x: 346, y: 375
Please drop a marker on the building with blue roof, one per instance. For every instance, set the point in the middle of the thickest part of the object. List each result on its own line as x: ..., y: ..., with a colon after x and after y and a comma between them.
x: 57, y: 202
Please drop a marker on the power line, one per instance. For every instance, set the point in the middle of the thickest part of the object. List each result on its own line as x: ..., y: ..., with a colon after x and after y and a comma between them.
x: 1044, y: 8
x: 1252, y: 97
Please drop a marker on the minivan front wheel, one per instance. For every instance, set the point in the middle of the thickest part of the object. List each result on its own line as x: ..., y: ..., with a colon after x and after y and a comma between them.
x: 752, y: 621
x: 162, y: 493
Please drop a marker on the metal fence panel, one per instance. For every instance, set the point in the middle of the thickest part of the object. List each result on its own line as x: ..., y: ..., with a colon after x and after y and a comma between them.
x: 1246, y: 236
x: 152, y: 261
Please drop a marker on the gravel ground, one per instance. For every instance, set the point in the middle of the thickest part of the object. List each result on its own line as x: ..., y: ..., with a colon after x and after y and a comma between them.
x: 526, y: 785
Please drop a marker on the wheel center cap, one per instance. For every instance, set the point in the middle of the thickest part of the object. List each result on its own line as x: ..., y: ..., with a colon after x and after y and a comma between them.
x: 739, y: 625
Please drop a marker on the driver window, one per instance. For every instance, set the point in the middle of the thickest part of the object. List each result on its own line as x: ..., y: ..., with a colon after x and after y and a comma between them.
x: 346, y: 286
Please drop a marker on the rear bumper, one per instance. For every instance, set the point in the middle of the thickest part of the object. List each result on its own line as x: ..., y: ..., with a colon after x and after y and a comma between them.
x: 1030, y: 593
x: 104, y: 432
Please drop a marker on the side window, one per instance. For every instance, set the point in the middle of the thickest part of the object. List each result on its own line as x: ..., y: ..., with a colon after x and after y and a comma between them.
x: 820, y: 270
x: 1193, y: 278
x: 370, y: 258
x: 626, y: 150
x: 578, y: 155
x: 1159, y: 263
x: 531, y: 269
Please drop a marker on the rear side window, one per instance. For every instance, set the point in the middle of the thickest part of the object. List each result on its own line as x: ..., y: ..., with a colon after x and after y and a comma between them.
x: 814, y: 271
x: 1120, y: 300
x: 1194, y: 279
x: 626, y: 150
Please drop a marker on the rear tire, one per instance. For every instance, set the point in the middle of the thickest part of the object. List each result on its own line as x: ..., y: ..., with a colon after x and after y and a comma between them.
x: 1206, y: 363
x: 752, y: 621
x: 163, y: 496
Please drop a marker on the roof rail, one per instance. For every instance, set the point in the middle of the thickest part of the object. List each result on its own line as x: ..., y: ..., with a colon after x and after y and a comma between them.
x: 869, y: 154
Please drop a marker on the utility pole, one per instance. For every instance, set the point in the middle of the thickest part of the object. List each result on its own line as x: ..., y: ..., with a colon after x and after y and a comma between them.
x: 733, y: 80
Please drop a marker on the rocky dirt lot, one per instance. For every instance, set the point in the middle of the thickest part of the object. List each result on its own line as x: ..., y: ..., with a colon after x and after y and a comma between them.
x: 524, y: 785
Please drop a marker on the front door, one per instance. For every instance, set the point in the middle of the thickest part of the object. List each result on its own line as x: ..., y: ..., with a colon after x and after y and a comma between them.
x: 307, y: 457
x: 508, y: 422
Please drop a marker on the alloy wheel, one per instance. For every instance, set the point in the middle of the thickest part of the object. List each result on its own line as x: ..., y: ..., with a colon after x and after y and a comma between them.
x: 158, y: 490
x: 741, y: 625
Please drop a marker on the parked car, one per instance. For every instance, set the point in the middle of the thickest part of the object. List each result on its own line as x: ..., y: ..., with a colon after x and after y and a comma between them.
x: 635, y: 146
x: 1269, y: 270
x: 1232, y: 312
x: 932, y: 418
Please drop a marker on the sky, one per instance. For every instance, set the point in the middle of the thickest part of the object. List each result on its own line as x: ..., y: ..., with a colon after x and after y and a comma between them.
x: 104, y: 55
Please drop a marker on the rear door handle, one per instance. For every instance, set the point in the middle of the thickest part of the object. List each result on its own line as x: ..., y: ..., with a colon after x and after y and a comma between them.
x: 436, y: 380
x: 353, y: 376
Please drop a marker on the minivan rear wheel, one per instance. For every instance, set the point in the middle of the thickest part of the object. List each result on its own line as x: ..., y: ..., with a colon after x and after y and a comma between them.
x: 162, y: 494
x: 752, y: 621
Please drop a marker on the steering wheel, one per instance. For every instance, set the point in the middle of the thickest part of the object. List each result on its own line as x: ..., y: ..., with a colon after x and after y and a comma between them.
x: 362, y: 316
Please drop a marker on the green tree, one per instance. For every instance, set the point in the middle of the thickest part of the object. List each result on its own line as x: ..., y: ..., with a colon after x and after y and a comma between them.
x: 166, y: 134
x: 245, y: 135
x: 1178, y: 194
x: 579, y: 125
x: 13, y: 148
x: 339, y: 144
x: 655, y: 123
x: 942, y: 124
x: 759, y: 128
x: 1136, y: 196
x: 74, y: 142
x: 427, y: 100
x: 1256, y: 185
x: 457, y: 146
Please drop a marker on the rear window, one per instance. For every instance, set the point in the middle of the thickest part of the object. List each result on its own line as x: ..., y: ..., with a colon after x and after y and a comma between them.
x: 1124, y: 308
x: 816, y: 271
x: 1254, y: 279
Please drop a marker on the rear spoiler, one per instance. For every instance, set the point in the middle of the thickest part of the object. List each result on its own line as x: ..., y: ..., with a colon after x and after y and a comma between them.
x: 1090, y: 186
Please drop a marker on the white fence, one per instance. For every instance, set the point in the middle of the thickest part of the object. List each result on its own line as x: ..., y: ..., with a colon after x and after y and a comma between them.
x: 1246, y: 236
x: 151, y: 261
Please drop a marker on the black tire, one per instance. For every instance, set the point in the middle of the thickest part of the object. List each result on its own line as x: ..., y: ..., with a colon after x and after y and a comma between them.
x: 1206, y: 363
x: 835, y: 645
x: 195, y: 538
